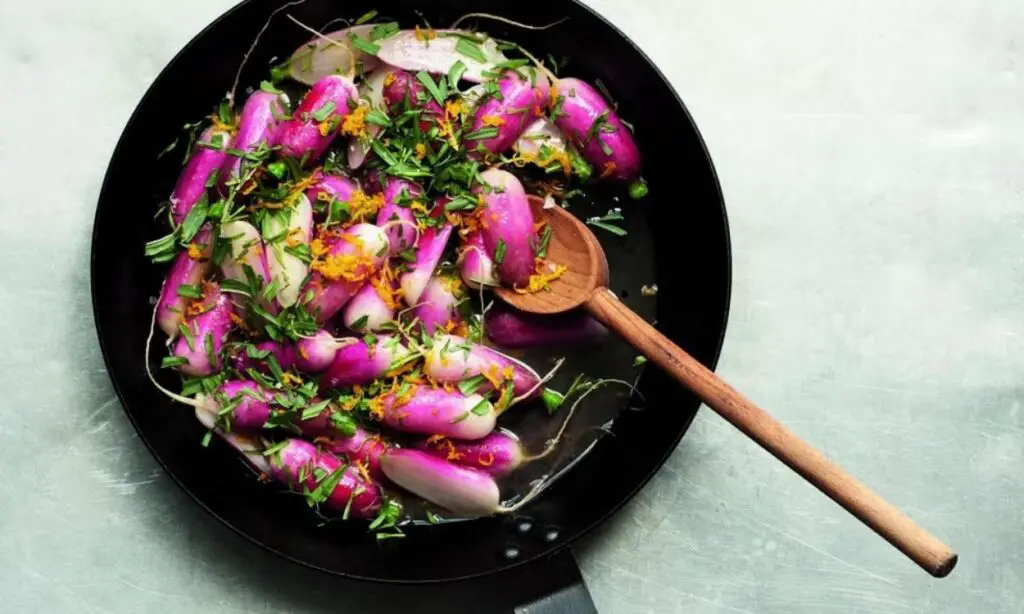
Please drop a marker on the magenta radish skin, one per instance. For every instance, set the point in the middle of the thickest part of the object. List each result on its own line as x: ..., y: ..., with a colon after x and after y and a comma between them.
x: 286, y: 269
x: 186, y: 271
x: 401, y: 225
x: 327, y: 296
x: 438, y: 307
x: 211, y: 326
x: 257, y: 125
x: 301, y: 137
x: 331, y: 188
x: 429, y: 250
x: 475, y: 265
x: 581, y: 106
x: 507, y: 220
x: 359, y: 363
x: 521, y: 102
x: 367, y: 311
x: 453, y: 359
x: 252, y: 414
x: 314, y: 355
x: 203, y: 162
x: 436, y: 411
x: 498, y: 454
x: 364, y: 447
x: 284, y: 354
x: 296, y: 465
x: 406, y: 85
x: 462, y: 491
x: 513, y: 329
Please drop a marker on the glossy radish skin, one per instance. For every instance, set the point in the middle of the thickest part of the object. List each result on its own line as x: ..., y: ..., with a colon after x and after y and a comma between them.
x: 541, y: 133
x: 298, y: 464
x: 256, y: 411
x: 349, y: 262
x: 453, y: 359
x: 429, y: 250
x: 246, y: 250
x: 498, y: 454
x: 402, y: 85
x: 367, y: 310
x: 475, y: 265
x: 462, y: 491
x: 203, y: 162
x: 304, y: 136
x: 315, y: 354
x: 522, y: 100
x: 408, y: 51
x: 189, y: 268
x: 207, y: 331
x: 285, y: 268
x: 438, y: 307
x: 283, y: 353
x: 507, y: 221
x: 436, y: 411
x: 401, y: 225
x: 257, y: 126
x: 510, y: 328
x: 579, y: 107
x: 363, y: 446
x: 359, y: 363
x: 331, y: 188
x: 319, y: 58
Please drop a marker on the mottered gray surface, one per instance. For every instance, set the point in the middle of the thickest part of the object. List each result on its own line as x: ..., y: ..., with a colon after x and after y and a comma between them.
x: 870, y: 153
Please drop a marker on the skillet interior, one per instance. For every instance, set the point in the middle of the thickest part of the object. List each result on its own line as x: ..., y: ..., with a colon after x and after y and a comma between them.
x: 681, y: 221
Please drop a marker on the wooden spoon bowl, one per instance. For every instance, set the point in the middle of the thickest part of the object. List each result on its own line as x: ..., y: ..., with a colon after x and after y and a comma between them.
x: 584, y: 286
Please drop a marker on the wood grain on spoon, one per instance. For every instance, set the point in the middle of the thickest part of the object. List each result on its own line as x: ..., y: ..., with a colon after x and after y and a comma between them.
x: 584, y: 285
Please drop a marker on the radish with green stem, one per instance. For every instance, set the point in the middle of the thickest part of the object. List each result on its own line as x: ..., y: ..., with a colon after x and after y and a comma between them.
x: 424, y: 410
x: 197, y: 351
x: 429, y: 251
x: 317, y: 118
x: 396, y: 214
x: 475, y: 265
x: 323, y: 478
x: 507, y: 226
x: 454, y: 359
x: 284, y: 232
x: 257, y: 127
x: 500, y: 119
x: 362, y: 446
x: 590, y: 121
x: 331, y: 54
x: 408, y: 51
x: 314, y: 354
x: 246, y: 252
x: 183, y: 282
x: 368, y: 310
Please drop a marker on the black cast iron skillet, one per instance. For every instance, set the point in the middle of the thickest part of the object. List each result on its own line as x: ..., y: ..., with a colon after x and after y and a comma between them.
x: 682, y: 220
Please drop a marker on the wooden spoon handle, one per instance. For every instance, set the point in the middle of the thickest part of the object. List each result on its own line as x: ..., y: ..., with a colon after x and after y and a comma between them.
x: 892, y: 524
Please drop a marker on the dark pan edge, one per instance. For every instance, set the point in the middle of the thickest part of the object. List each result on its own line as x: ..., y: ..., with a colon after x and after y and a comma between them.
x: 517, y: 564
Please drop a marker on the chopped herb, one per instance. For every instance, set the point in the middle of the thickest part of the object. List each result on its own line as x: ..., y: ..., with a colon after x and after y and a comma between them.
x: 431, y: 518
x: 314, y: 410
x: 173, y: 361
x: 603, y: 222
x: 235, y: 287
x: 326, y: 486
x: 439, y: 92
x: 300, y: 251
x: 638, y: 189
x: 364, y: 45
x: 482, y: 408
x: 459, y: 419
x: 269, y: 87
x: 325, y: 111
x: 378, y: 118
x: 190, y: 291
x: 381, y: 150
x: 545, y: 240
x: 470, y: 386
x: 388, y: 516
x: 186, y: 334
x: 455, y: 74
x: 384, y: 30
x: 207, y: 438
x: 367, y: 16
x: 361, y: 322
x: 552, y: 399
x: 194, y: 220
x: 168, y: 149
x: 482, y: 134
x: 163, y: 249
x: 224, y: 112
x: 211, y: 353
x: 499, y: 252
x: 463, y: 202
x: 639, y: 360
x: 277, y: 169
x: 471, y: 50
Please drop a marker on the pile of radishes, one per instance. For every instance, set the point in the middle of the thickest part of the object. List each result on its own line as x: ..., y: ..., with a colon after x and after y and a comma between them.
x: 320, y: 301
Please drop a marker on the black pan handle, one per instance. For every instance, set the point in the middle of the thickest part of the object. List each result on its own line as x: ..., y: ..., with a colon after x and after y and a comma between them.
x: 556, y: 586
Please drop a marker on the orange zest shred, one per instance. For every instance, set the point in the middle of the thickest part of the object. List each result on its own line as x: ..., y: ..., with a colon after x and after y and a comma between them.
x: 362, y: 206
x: 363, y: 471
x: 486, y: 459
x: 454, y: 108
x: 219, y: 125
x: 492, y: 375
x: 195, y: 252
x: 609, y: 168
x: 425, y: 35
x: 553, y: 97
x: 492, y: 120
x: 421, y: 151
x: 355, y: 122
x: 389, y: 79
x: 508, y: 373
x: 545, y: 273
x: 291, y: 378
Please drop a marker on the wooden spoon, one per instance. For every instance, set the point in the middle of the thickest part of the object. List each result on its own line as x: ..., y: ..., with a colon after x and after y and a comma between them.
x: 585, y: 285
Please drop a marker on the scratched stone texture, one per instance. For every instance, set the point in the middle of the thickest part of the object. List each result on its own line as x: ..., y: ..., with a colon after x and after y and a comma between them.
x: 870, y: 153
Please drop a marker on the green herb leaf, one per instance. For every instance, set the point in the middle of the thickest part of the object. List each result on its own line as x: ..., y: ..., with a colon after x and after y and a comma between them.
x: 615, y: 230
x: 378, y: 118
x: 455, y: 74
x: 186, y: 334
x: 482, y: 134
x: 361, y: 322
x: 234, y: 286
x: 325, y: 111
x: 384, y: 30
x: 207, y: 438
x: 367, y: 16
x: 300, y: 251
x: 194, y: 220
x: 277, y: 169
x: 211, y: 353
x: 431, y: 518
x: 552, y: 399
x: 164, y: 246
x: 315, y: 410
x: 482, y: 408
x: 471, y: 50
x: 459, y: 419
x: 383, y: 152
x: 190, y: 291
x: 439, y: 92
x: 639, y: 360
x: 545, y: 240
x: 364, y: 45
x: 168, y: 149
x: 638, y: 189
x: 173, y: 361
x: 471, y: 385
x: 499, y: 252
